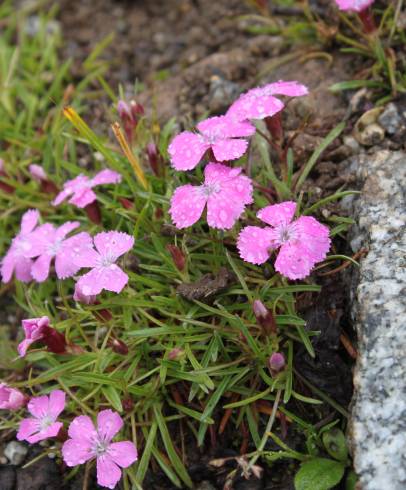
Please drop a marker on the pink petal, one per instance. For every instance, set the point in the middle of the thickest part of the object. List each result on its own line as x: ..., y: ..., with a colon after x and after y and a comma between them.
x: 74, y: 249
x: 187, y: 204
x: 314, y: 237
x: 113, y: 243
x: 38, y: 406
x: 56, y: 403
x: 255, y: 244
x: 238, y: 189
x: 40, y: 268
x: 223, y: 210
x: 51, y: 431
x: 111, y: 278
x: 229, y: 149
x: 82, y: 198
x: 82, y: 428
x: 23, y: 269
x: 109, y: 423
x: 29, y: 220
x: 108, y: 473
x: 77, y: 184
x: 7, y: 267
x: 24, y: 346
x: 75, y: 452
x: 88, y: 256
x: 293, y: 261
x: 27, y: 428
x: 292, y: 88
x: 66, y: 228
x: 65, y: 193
x: 223, y: 127
x: 106, y: 177
x: 41, y: 239
x: 123, y: 453
x: 277, y: 214
x: 354, y: 5
x: 254, y: 105
x: 186, y: 150
x: 218, y: 173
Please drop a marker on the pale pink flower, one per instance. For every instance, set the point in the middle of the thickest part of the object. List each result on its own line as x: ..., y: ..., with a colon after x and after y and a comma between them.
x: 36, y: 329
x: 276, y: 363
x: 83, y: 298
x: 49, y: 242
x: 88, y: 442
x: 259, y: 103
x: 354, y: 5
x: 220, y: 133
x: 45, y: 411
x: 18, y: 256
x: 105, y: 274
x: 225, y: 191
x: 11, y: 398
x: 80, y: 188
x: 303, y: 242
x: 37, y: 172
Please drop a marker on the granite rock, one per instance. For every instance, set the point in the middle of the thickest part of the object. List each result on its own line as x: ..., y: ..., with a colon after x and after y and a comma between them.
x: 378, y: 425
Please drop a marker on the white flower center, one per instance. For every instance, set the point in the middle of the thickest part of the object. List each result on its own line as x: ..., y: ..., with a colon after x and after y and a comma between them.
x: 210, y: 189
x: 107, y: 260
x: 53, y: 248
x: 46, y: 422
x: 286, y: 233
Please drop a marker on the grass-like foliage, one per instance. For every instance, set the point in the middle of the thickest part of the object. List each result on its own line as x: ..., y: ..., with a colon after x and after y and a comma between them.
x: 182, y: 366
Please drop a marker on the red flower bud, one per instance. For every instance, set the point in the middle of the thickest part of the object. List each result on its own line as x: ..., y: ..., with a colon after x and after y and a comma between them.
x: 178, y: 256
x: 127, y: 204
x: 154, y: 158
x: 93, y: 212
x: 276, y: 363
x: 264, y: 317
x: 118, y: 346
x: 128, y: 404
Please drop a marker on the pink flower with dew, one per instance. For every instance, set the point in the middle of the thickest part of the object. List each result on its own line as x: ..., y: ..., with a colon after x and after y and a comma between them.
x: 18, y: 255
x: 37, y: 172
x: 259, y: 103
x: 225, y: 191
x: 11, y: 398
x: 220, y: 133
x: 80, y: 188
x: 302, y: 242
x: 105, y: 274
x: 83, y: 298
x: 34, y: 329
x: 354, y: 5
x: 88, y: 442
x: 45, y: 411
x: 50, y: 242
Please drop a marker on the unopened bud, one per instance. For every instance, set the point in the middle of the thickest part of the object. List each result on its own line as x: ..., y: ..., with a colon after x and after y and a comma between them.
x: 128, y: 404
x: 154, y: 158
x: 178, y: 256
x: 54, y: 340
x: 118, y: 346
x: 276, y: 363
x: 126, y: 203
x: 93, y: 212
x: 175, y: 354
x: 38, y: 174
x: 264, y: 317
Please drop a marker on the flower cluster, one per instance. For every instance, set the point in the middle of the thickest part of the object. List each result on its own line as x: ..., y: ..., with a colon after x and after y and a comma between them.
x: 226, y: 191
x: 86, y: 442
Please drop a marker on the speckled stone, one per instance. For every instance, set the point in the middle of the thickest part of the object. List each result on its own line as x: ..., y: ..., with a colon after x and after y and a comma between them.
x: 378, y: 426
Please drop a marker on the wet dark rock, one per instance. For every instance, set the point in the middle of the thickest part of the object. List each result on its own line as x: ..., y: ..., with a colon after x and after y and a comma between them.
x: 41, y: 475
x: 7, y: 477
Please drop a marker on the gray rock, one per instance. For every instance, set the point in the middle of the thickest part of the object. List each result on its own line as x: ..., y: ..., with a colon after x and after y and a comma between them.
x: 15, y: 452
x: 390, y: 119
x: 378, y: 427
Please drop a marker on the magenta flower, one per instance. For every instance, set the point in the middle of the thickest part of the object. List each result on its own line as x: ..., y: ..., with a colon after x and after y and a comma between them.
x: 11, y: 398
x: 225, y: 191
x: 36, y: 329
x: 37, y: 172
x: 105, y: 274
x: 303, y: 242
x: 220, y: 133
x: 49, y: 242
x: 354, y: 5
x: 87, y: 442
x: 80, y: 188
x: 18, y: 256
x: 42, y: 424
x: 259, y: 103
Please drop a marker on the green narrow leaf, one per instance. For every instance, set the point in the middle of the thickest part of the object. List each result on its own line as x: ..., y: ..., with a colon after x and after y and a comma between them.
x: 113, y: 397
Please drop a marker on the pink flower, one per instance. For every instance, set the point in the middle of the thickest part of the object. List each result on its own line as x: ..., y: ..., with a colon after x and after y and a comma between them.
x: 83, y: 298
x: 225, y: 191
x: 18, y: 256
x: 34, y: 329
x: 49, y: 242
x: 303, y: 242
x: 43, y: 424
x: 276, y: 363
x: 259, y: 103
x: 80, y: 188
x: 354, y: 5
x: 220, y: 133
x: 37, y: 172
x: 87, y: 442
x: 11, y: 398
x: 105, y: 274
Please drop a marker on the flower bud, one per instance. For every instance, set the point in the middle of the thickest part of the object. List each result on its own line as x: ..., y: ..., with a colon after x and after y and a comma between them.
x: 11, y: 398
x: 126, y: 203
x: 93, y: 212
x: 276, y: 363
x: 118, y: 346
x: 129, y: 115
x: 264, y: 317
x: 178, y: 256
x: 154, y: 158
x: 128, y: 404
x: 38, y: 174
x: 175, y: 354
x: 54, y: 340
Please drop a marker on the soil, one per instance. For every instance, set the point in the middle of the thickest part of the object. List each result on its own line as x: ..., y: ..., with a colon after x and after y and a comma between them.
x: 195, y: 56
